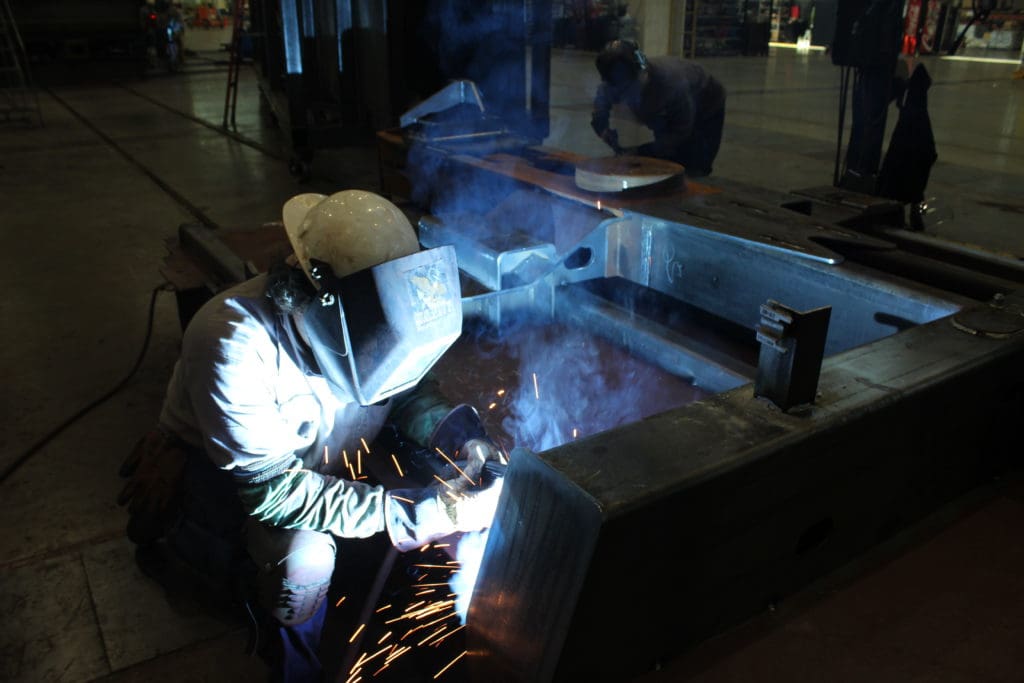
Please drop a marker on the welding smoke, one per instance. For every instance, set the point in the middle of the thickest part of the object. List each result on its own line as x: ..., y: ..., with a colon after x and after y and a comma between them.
x: 568, y: 383
x: 540, y: 384
x: 572, y: 384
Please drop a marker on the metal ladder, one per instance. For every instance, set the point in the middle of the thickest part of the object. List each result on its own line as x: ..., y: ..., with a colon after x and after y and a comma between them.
x: 18, y: 99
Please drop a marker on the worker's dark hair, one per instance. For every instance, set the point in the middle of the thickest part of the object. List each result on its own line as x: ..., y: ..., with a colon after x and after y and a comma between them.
x: 288, y: 287
x: 620, y: 62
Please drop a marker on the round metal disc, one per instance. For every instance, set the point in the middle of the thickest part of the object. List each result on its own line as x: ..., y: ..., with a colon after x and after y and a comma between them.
x: 990, y: 322
x: 615, y: 174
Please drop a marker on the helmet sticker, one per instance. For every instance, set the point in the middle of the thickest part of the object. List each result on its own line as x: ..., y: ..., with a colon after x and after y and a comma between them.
x: 429, y: 295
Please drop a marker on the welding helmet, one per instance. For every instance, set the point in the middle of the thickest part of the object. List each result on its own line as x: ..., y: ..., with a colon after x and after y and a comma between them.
x: 385, y: 311
x: 620, y: 63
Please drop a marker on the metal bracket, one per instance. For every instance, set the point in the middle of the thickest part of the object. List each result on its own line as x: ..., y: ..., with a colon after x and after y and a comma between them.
x: 495, y: 269
x: 456, y: 92
x: 792, y: 347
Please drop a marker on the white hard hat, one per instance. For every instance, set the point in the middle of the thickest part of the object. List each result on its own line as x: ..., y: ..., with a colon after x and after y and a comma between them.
x: 350, y: 230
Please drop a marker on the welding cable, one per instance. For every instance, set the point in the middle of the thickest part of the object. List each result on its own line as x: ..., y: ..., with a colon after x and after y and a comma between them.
x: 38, y: 445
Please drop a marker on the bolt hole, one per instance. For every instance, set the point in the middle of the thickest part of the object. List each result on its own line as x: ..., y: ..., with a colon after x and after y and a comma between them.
x: 581, y: 258
x: 814, y: 536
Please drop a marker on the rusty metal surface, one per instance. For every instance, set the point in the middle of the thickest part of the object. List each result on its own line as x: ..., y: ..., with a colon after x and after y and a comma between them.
x: 754, y: 502
x: 531, y: 171
x: 540, y: 384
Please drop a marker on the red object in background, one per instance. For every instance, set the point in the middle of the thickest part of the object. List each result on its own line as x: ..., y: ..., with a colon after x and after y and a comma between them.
x: 794, y: 11
x: 910, y: 27
x: 929, y: 26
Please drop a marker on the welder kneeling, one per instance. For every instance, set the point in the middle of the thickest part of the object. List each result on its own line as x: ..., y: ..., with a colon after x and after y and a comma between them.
x: 284, y: 378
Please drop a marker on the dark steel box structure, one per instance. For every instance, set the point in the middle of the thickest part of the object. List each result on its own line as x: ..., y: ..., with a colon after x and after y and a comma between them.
x: 613, y: 553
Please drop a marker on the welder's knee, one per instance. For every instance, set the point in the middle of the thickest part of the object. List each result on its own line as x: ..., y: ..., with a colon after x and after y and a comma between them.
x: 294, y: 570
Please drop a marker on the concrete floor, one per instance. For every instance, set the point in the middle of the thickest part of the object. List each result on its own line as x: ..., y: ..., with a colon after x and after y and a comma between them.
x: 87, y: 202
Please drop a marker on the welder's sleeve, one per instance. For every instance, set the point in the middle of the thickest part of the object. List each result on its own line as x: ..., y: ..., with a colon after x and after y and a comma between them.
x: 250, y: 419
x: 302, y: 499
x: 244, y: 425
x: 255, y: 421
x: 600, y: 116
x: 417, y: 412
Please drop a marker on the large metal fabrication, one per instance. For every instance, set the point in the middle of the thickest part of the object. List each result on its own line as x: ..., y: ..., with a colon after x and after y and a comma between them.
x: 846, y: 378
x: 712, y: 394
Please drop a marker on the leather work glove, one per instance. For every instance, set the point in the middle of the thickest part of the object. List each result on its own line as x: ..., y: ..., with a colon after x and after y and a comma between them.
x: 461, y: 434
x: 482, y: 450
x: 461, y: 425
x: 152, y: 494
x: 415, y: 517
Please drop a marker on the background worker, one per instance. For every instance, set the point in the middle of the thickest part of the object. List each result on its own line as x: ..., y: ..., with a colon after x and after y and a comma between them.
x: 244, y: 478
x: 680, y: 102
x: 867, y: 45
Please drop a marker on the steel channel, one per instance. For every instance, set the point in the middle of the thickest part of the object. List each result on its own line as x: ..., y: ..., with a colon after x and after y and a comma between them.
x: 731, y: 278
x: 650, y: 341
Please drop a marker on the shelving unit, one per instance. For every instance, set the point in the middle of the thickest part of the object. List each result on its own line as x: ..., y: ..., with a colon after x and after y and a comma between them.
x: 1000, y: 30
x: 714, y: 28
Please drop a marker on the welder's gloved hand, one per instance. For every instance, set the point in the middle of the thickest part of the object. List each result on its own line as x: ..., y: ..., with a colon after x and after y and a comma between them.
x: 415, y: 517
x: 152, y: 494
x: 475, y: 454
x: 458, y: 426
x: 461, y: 434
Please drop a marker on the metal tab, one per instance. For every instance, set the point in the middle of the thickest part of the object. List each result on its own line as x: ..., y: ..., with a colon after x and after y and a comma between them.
x: 792, y: 348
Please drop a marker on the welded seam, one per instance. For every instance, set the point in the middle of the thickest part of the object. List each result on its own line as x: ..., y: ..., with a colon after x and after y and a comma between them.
x: 238, y: 137
x: 196, y: 212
